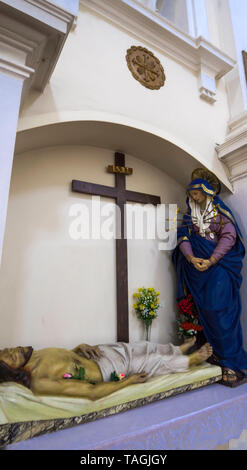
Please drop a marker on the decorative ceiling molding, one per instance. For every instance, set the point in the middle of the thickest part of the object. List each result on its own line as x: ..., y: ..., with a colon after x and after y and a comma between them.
x: 196, y: 54
x: 234, y: 154
x: 237, y: 125
x: 44, y: 11
x: 32, y: 36
x: 15, y: 69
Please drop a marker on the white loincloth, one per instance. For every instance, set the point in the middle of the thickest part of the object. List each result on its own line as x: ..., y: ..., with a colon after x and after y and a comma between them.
x: 133, y: 358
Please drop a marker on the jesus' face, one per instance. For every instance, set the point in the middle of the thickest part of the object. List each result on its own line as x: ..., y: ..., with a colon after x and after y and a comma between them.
x: 16, y: 357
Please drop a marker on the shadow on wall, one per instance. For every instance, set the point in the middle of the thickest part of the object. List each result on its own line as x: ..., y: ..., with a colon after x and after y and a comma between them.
x: 237, y: 205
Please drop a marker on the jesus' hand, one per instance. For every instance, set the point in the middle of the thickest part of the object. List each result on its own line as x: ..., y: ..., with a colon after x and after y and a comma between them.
x: 138, y: 378
x: 87, y: 351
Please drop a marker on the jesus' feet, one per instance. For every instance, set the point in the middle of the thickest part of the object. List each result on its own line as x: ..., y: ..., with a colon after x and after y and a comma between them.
x: 201, y: 355
x: 187, y: 344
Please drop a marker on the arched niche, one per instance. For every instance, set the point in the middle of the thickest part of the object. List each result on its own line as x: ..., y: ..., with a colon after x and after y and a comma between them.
x: 152, y: 146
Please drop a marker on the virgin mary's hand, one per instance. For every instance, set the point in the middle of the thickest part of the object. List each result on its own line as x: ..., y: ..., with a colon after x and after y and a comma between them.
x: 206, y: 263
x: 201, y: 264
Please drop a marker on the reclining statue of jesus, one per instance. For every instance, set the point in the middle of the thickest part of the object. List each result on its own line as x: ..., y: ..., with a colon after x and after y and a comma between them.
x: 52, y: 371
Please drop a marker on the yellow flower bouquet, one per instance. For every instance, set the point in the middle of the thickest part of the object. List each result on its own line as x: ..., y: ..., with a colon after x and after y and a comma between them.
x: 146, y: 306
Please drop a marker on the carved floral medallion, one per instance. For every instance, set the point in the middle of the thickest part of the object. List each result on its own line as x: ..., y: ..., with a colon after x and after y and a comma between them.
x: 145, y: 67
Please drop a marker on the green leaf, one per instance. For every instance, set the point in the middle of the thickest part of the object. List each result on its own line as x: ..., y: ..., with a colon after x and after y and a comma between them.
x: 82, y: 373
x: 114, y: 377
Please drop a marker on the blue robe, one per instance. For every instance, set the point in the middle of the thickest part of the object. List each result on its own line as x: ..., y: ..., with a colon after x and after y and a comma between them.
x: 216, y: 290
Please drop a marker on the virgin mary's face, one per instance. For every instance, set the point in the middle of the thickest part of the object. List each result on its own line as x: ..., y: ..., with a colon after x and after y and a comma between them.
x: 197, y: 196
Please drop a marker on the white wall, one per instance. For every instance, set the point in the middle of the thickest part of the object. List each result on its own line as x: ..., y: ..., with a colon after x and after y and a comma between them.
x: 92, y: 77
x: 55, y: 291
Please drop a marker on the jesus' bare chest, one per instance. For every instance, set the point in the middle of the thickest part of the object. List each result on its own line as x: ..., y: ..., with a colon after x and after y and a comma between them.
x: 55, y: 362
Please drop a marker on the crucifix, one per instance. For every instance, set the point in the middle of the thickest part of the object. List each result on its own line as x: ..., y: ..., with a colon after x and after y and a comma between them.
x: 121, y: 195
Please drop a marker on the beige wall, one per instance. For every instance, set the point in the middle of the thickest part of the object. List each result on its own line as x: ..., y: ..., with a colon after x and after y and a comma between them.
x: 92, y: 81
x: 58, y: 291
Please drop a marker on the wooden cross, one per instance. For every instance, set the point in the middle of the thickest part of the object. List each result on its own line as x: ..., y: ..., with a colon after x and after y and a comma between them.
x: 121, y: 195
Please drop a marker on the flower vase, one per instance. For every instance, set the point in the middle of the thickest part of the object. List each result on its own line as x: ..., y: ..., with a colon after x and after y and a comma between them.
x: 148, y: 331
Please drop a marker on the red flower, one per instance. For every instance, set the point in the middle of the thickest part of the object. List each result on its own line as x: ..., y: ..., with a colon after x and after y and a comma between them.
x: 186, y: 306
x: 191, y: 326
x: 188, y: 315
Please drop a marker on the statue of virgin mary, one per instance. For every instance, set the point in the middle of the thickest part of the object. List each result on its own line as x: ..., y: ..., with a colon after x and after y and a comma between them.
x: 208, y: 261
